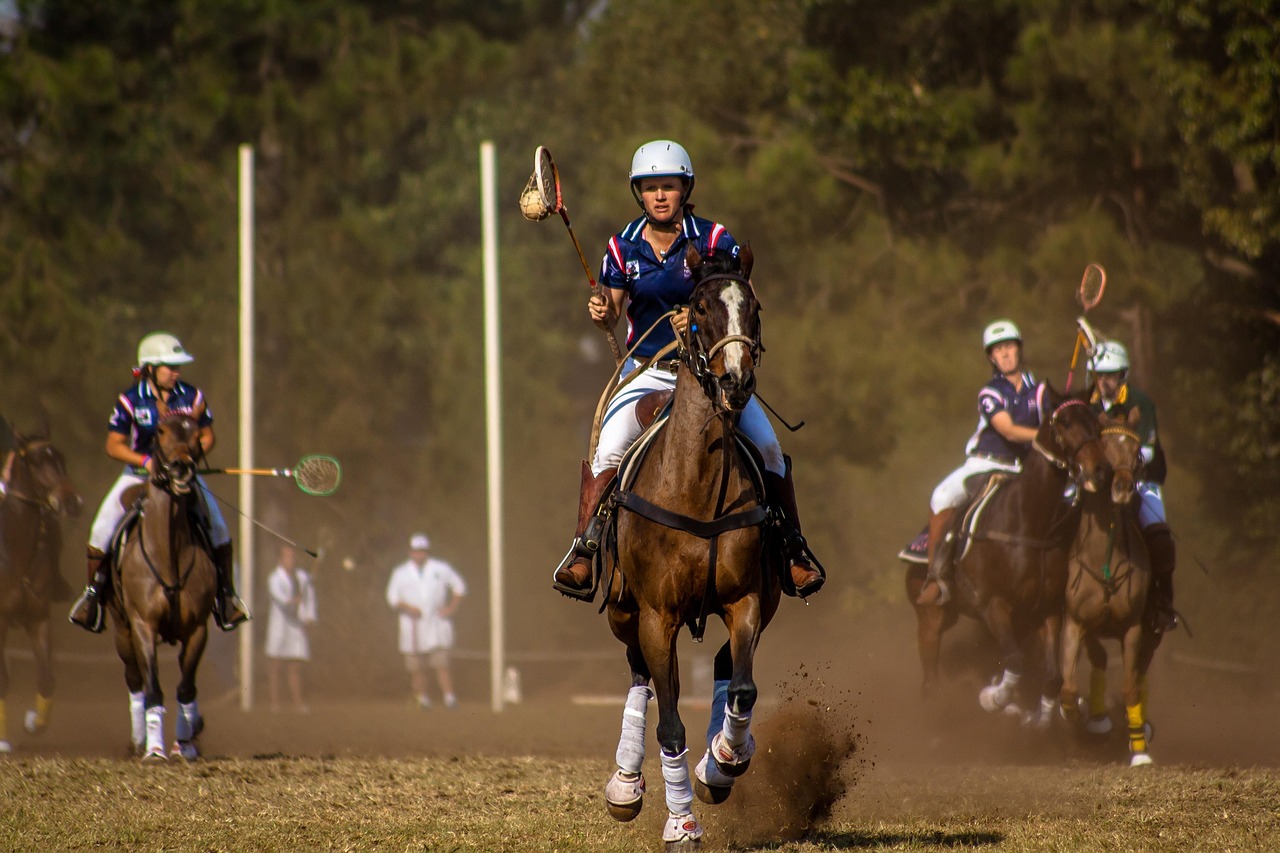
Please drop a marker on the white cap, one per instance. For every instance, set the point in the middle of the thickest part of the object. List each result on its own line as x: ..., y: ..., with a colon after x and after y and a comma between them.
x: 419, y: 542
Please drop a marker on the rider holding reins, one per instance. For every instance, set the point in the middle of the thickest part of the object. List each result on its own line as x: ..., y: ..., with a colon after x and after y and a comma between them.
x: 1116, y: 396
x: 1008, y: 418
x: 645, y: 275
x: 130, y: 433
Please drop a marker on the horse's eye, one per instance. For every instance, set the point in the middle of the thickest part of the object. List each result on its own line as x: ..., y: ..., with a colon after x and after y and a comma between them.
x: 700, y: 310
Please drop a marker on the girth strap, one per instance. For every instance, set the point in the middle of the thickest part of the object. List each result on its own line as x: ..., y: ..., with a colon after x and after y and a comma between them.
x: 699, y: 528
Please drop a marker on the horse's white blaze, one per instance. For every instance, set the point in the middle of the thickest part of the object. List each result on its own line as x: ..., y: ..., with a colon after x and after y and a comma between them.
x: 734, y: 298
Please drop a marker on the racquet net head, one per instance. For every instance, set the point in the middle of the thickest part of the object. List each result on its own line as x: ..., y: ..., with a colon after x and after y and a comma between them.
x: 1092, y: 285
x: 547, y: 178
x: 318, y: 475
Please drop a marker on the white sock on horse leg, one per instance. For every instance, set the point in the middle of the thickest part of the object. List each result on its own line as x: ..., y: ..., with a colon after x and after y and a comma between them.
x: 185, y: 725
x: 736, y: 728
x: 630, y: 754
x: 675, y: 772
x: 719, y: 698
x: 155, y: 727
x: 137, y: 720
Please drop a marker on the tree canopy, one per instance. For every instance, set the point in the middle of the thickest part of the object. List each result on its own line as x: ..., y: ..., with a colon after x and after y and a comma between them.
x: 903, y: 175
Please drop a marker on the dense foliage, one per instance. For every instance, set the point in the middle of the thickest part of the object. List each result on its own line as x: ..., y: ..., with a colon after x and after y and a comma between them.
x: 904, y: 173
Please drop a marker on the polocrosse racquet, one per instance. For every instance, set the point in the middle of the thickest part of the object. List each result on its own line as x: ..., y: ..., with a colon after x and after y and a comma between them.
x: 1089, y: 294
x: 541, y: 198
x: 315, y: 474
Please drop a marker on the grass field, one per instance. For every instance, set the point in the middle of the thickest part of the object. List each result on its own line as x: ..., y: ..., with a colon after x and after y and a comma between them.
x: 541, y: 804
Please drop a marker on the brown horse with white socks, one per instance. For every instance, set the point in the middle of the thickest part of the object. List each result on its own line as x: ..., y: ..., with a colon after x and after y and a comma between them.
x: 693, y: 539
x: 163, y: 592
x: 39, y: 493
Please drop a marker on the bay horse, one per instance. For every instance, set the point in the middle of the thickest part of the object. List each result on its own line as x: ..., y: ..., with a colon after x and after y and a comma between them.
x: 1010, y: 570
x: 40, y: 493
x: 690, y: 539
x: 1108, y: 580
x: 163, y: 591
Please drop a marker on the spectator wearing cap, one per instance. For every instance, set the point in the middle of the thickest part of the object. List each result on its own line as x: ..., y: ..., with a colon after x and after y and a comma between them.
x: 425, y: 593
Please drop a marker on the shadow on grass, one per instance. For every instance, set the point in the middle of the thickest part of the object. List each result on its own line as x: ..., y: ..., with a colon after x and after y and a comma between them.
x: 879, y: 840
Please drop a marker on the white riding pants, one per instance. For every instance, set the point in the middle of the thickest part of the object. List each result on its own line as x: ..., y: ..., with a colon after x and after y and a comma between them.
x: 111, y: 511
x: 951, y: 492
x: 621, y: 427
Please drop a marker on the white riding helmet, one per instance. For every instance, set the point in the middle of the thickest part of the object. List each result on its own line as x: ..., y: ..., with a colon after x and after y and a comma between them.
x: 1000, y: 330
x: 1111, y: 357
x: 658, y: 159
x: 162, y: 348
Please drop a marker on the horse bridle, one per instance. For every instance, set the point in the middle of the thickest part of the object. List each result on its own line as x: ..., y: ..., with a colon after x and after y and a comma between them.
x: 698, y: 360
x: 173, y: 475
x: 1069, y: 463
x: 1130, y: 434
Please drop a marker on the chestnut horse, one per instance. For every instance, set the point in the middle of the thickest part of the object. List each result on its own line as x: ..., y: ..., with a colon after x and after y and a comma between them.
x: 1010, y: 573
x: 691, y: 541
x: 1108, y: 580
x: 163, y: 592
x: 39, y: 494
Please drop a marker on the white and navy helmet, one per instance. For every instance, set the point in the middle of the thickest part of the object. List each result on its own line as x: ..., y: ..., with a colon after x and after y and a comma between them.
x: 661, y: 158
x: 999, y: 331
x: 1111, y: 357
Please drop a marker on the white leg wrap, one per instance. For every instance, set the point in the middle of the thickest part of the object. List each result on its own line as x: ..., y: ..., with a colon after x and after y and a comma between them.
x: 185, y: 726
x: 137, y: 720
x: 630, y: 754
x: 155, y: 730
x: 675, y: 772
x: 996, y: 696
x: 736, y: 728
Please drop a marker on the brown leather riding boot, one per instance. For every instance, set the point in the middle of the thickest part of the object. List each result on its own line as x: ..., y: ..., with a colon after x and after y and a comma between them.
x: 573, y: 576
x: 806, y: 579
x: 228, y: 610
x: 1160, y: 613
x: 89, y: 611
x: 937, y: 589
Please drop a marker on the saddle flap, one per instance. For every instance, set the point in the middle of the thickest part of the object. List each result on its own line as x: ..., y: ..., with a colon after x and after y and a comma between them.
x: 653, y: 404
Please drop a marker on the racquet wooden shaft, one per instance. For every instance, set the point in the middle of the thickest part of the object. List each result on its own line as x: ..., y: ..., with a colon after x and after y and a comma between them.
x: 595, y: 288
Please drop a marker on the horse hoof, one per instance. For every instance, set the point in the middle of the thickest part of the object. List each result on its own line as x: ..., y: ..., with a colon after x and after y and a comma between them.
x: 709, y: 784
x: 993, y: 699
x: 155, y: 755
x: 624, y: 796
x: 1099, y: 725
x: 1140, y: 759
x: 184, y: 749
x: 682, y: 832
x: 5, y: 747
x: 31, y: 722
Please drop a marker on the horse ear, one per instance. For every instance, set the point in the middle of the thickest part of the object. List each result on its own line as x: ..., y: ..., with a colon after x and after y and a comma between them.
x: 1134, y: 416
x: 692, y: 258
x: 746, y: 258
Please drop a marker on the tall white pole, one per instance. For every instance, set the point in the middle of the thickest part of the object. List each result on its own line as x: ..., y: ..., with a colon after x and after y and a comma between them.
x: 493, y: 416
x: 245, y: 547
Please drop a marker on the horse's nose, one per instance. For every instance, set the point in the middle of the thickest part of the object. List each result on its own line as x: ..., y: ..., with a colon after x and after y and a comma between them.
x: 1121, y: 490
x: 736, y: 393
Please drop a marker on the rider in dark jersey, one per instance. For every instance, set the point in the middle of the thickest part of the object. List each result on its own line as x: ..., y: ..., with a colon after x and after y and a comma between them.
x: 644, y: 275
x: 130, y: 433
x: 1008, y: 417
x: 1116, y: 396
